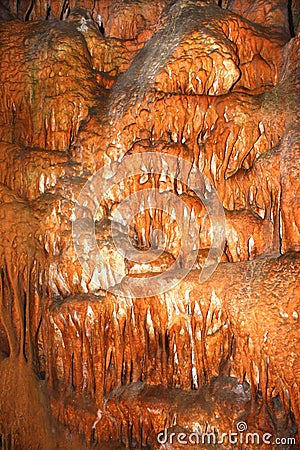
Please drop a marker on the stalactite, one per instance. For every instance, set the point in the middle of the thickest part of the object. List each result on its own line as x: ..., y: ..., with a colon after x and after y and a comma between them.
x: 108, y: 340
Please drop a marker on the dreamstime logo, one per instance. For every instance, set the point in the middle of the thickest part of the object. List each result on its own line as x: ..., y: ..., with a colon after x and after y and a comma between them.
x: 149, y: 179
x: 240, y: 436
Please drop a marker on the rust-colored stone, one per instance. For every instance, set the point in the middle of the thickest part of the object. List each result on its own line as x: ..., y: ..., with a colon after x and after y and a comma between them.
x: 166, y: 303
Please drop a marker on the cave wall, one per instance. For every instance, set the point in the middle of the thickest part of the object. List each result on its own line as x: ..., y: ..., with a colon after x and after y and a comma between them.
x: 150, y: 222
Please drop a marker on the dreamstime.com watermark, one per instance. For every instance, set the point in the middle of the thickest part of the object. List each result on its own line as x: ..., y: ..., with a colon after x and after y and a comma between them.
x: 157, y: 176
x: 239, y: 436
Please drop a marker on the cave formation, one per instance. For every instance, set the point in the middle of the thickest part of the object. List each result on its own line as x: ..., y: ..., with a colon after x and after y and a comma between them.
x: 150, y: 224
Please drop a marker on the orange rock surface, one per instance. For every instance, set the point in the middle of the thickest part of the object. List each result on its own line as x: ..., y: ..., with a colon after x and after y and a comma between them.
x: 149, y: 224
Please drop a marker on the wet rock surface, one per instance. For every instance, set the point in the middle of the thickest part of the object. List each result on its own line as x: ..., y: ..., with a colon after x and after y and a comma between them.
x: 149, y: 224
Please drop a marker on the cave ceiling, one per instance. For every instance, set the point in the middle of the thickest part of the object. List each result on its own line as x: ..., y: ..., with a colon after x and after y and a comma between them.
x: 149, y: 224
